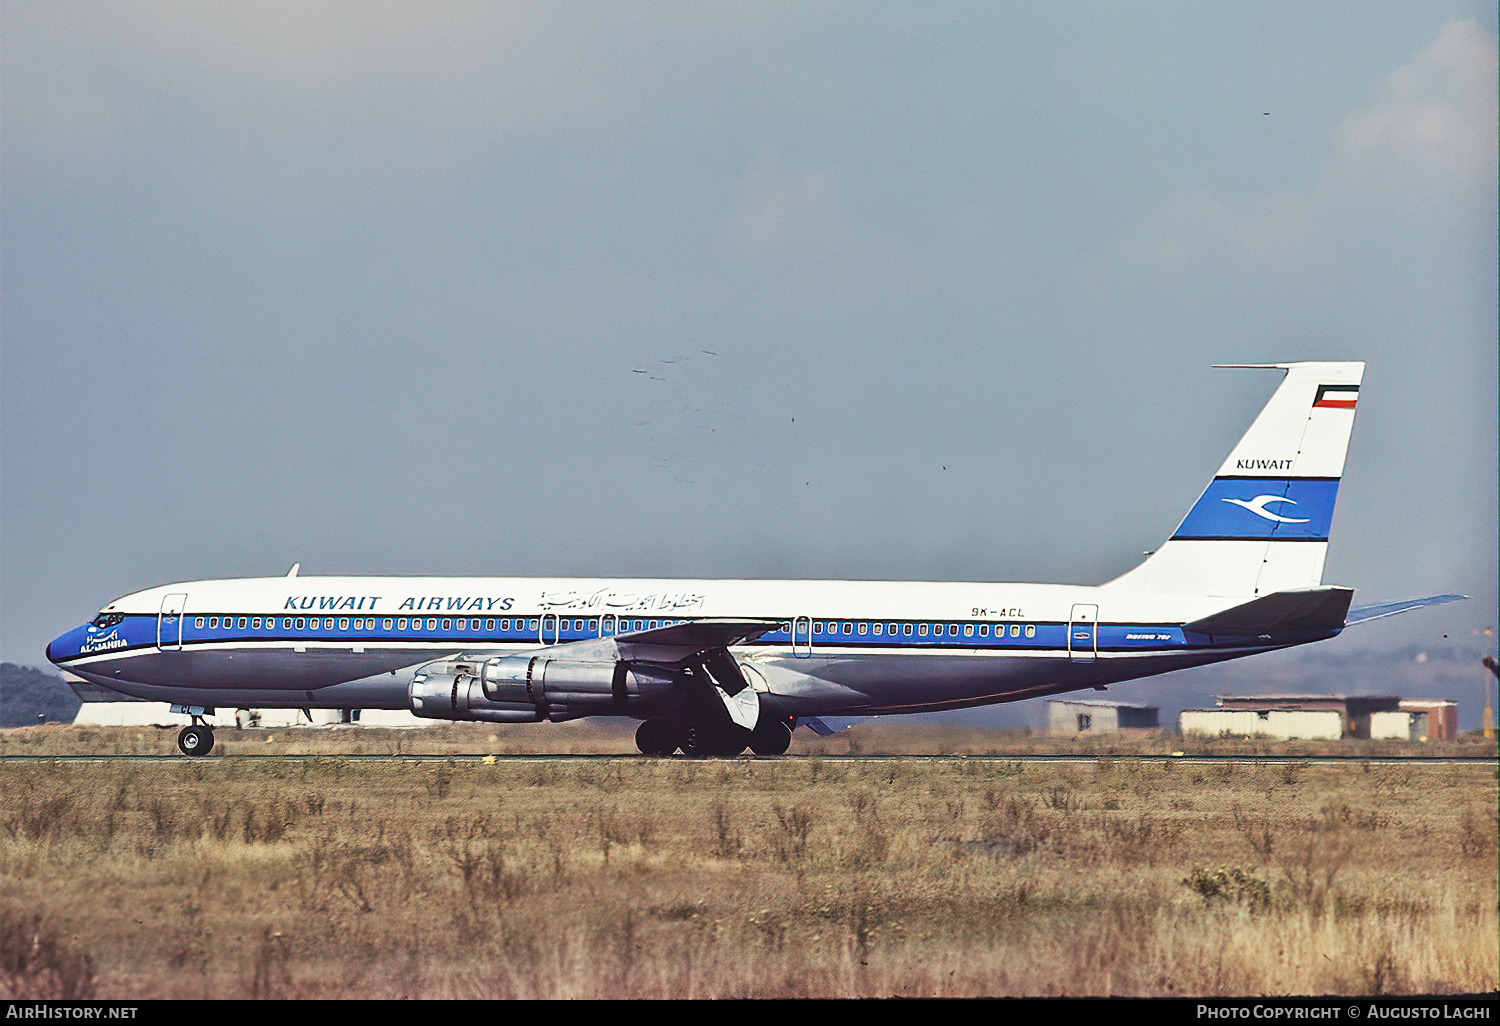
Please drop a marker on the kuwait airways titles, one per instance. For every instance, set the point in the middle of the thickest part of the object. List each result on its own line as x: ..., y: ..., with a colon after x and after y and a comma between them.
x: 606, y: 599
x: 371, y: 603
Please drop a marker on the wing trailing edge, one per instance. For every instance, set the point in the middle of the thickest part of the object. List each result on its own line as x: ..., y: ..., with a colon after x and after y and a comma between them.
x: 697, y: 635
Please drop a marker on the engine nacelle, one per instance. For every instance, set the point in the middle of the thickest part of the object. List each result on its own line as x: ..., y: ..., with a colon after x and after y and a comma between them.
x: 454, y: 692
x: 529, y: 689
x: 546, y: 680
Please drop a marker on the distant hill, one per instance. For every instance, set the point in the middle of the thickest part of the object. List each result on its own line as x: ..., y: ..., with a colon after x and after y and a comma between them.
x: 29, y: 696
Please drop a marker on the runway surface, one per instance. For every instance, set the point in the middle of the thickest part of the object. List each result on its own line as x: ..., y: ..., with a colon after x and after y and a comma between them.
x: 485, y: 757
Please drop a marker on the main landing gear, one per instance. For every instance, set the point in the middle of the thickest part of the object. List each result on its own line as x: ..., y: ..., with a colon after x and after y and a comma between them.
x: 771, y: 736
x: 657, y: 737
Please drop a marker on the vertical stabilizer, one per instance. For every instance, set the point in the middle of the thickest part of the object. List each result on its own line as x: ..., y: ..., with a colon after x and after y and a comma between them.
x: 1262, y: 524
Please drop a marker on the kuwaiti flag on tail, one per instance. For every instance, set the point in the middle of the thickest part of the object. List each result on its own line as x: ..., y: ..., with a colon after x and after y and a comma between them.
x: 1336, y: 397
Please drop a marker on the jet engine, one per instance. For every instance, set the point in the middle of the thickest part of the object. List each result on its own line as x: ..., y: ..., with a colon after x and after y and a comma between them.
x: 546, y: 679
x: 528, y: 689
x: 451, y: 691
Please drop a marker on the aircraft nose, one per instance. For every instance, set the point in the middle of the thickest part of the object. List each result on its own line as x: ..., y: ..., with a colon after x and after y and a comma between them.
x: 65, y: 646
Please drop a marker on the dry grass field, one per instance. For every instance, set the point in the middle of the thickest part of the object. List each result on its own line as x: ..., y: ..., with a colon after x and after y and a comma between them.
x: 810, y: 876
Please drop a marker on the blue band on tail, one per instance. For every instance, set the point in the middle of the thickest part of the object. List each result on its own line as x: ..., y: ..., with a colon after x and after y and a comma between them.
x: 1262, y: 509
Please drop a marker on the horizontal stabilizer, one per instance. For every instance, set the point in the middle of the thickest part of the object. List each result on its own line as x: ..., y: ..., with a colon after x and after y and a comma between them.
x: 1363, y: 613
x: 1283, y: 612
x: 816, y: 725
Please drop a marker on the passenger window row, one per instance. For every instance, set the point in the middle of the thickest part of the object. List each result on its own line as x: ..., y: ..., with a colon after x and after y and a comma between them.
x: 368, y: 623
x: 859, y: 628
x: 589, y: 627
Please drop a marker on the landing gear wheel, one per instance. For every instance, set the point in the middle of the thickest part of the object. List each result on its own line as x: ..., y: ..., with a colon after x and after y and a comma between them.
x: 196, y: 740
x: 656, y: 737
x: 770, y: 737
x: 705, y: 742
x: 695, y: 741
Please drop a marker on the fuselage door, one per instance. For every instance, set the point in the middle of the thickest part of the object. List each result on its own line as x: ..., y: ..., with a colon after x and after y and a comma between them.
x: 549, y: 629
x: 802, y: 636
x: 169, y: 622
x: 608, y: 625
x: 1083, y: 633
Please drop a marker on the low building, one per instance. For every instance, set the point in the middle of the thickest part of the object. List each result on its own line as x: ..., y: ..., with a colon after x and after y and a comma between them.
x: 128, y: 714
x: 249, y: 719
x: 1391, y: 726
x: 1065, y: 717
x: 1284, y: 724
x: 1324, y: 717
x: 1432, y: 719
x: 1354, y: 710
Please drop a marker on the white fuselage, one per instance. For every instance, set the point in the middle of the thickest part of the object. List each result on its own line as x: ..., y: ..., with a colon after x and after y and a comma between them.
x: 840, y: 647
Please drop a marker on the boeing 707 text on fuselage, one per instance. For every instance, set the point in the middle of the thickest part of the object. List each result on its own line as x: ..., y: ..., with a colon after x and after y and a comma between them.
x: 712, y: 667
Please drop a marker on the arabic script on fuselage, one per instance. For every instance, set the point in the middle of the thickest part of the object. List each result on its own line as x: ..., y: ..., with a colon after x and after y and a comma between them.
x: 610, y: 601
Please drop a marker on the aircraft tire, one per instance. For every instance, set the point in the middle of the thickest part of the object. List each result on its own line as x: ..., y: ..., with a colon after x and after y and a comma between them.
x: 770, y: 737
x: 695, y: 740
x: 195, y: 740
x: 656, y: 737
x: 700, y: 741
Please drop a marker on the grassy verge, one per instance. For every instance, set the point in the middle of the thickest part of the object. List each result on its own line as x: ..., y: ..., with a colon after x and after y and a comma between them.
x: 617, y: 737
x: 745, y: 878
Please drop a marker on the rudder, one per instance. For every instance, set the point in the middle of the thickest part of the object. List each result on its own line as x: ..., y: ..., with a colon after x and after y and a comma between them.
x: 1262, y: 524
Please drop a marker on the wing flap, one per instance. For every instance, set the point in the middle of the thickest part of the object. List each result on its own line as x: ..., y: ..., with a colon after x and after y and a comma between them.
x: 672, y: 644
x: 697, y: 635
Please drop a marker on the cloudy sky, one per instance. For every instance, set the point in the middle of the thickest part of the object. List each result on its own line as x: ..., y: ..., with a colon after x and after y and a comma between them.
x: 792, y: 290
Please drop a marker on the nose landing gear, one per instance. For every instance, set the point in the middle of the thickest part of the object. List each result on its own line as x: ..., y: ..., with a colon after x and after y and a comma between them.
x: 197, y: 738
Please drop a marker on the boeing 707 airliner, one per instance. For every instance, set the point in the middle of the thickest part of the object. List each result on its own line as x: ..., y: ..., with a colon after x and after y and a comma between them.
x: 711, y: 667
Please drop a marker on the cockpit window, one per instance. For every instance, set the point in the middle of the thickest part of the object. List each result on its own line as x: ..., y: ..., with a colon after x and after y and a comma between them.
x: 104, y: 620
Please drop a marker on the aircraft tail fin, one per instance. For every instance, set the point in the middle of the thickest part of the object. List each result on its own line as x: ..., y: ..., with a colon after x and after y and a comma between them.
x: 1262, y: 524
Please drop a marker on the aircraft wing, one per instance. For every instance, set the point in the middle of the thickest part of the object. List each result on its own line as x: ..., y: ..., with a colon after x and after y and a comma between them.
x: 706, y: 643
x: 1360, y: 614
x: 672, y: 644
x: 701, y: 634
x: 594, y: 669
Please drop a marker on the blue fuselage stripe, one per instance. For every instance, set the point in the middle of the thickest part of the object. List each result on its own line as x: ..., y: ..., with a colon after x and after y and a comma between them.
x: 140, y: 632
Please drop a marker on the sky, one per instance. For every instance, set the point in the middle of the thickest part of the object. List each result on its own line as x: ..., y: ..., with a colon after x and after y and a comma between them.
x: 870, y: 291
